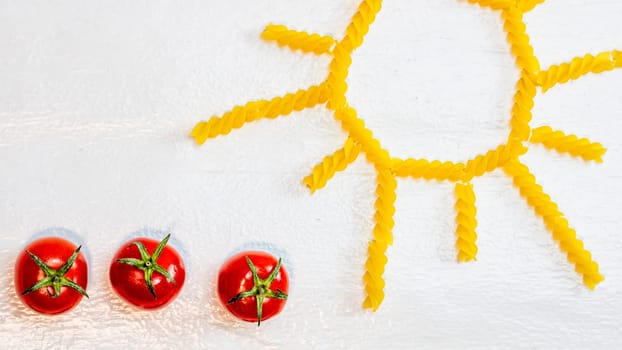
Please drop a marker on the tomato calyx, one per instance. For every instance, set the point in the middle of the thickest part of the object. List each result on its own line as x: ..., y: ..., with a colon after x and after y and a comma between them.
x: 149, y: 263
x: 261, y: 288
x: 55, y: 278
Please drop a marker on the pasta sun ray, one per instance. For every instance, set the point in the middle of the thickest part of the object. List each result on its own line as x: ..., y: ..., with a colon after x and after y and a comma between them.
x: 330, y: 165
x: 298, y: 40
x: 570, y: 144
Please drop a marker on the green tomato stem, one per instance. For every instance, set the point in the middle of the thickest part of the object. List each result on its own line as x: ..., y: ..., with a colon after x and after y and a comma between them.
x: 55, y: 278
x: 261, y: 288
x: 149, y: 263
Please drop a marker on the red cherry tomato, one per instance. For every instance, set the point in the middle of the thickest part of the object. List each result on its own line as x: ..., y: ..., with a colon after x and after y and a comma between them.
x: 146, y: 273
x: 253, y: 296
x: 51, y: 275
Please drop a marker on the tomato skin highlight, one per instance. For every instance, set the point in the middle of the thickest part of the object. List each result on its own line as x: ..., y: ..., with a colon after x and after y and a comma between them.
x: 53, y: 251
x: 129, y: 282
x: 236, y: 277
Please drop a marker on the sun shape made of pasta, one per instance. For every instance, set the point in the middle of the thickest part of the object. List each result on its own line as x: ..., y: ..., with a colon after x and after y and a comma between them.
x: 361, y: 141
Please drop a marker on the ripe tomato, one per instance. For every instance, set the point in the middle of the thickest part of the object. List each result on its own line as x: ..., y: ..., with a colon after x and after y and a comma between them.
x: 51, y: 275
x: 147, y: 273
x: 253, y: 286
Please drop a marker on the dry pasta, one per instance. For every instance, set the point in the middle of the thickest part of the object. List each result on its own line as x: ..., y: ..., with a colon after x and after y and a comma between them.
x: 493, y: 159
x: 493, y: 4
x: 571, y: 144
x: 521, y: 108
x: 465, y: 222
x: 360, y: 138
x: 297, y: 40
x: 251, y: 111
x: 519, y: 40
x: 383, y: 237
x: 423, y: 168
x: 555, y: 222
x: 528, y: 5
x: 339, y: 66
x: 337, y: 161
x: 357, y: 130
x: 578, y: 66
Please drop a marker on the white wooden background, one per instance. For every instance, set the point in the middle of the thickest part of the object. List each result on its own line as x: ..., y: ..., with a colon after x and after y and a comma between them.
x: 97, y: 99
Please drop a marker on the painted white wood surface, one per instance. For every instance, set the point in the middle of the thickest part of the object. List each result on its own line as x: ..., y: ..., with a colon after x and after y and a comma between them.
x: 97, y: 99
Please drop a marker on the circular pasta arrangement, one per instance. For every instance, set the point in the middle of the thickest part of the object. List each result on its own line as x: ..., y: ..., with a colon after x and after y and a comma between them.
x: 361, y: 141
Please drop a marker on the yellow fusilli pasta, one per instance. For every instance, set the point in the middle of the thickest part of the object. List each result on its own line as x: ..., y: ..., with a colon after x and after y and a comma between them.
x: 555, y: 222
x: 340, y: 64
x: 361, y: 139
x: 521, y: 108
x: 519, y: 40
x: 355, y: 127
x: 493, y: 159
x: 465, y: 222
x: 527, y: 5
x: 423, y: 168
x: 337, y: 161
x: 383, y: 237
x: 298, y: 40
x: 251, y: 111
x: 493, y: 4
x: 571, y: 144
x: 578, y: 66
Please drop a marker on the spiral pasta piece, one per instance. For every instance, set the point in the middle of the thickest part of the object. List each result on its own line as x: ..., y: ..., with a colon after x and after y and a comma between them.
x: 465, y: 222
x: 340, y: 64
x: 519, y: 40
x: 555, y: 222
x: 423, y: 168
x: 493, y: 159
x: 355, y: 127
x: 571, y: 144
x: 522, y: 107
x: 337, y: 161
x: 254, y: 110
x: 528, y: 5
x: 298, y: 40
x: 577, y: 67
x: 493, y: 4
x: 382, y: 238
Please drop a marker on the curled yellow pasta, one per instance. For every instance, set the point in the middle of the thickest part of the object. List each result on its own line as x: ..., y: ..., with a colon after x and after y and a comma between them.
x: 493, y: 4
x: 578, y: 66
x: 519, y: 40
x: 571, y: 144
x: 555, y: 222
x: 337, y: 161
x: 465, y: 222
x: 429, y: 170
x: 340, y: 64
x: 527, y: 5
x: 298, y: 40
x: 254, y: 110
x: 521, y: 108
x: 374, y: 269
x: 383, y: 237
x: 355, y: 126
x: 361, y: 139
x: 493, y: 159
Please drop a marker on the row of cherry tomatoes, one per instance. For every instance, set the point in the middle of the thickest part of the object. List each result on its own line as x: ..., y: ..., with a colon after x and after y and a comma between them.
x: 51, y: 278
